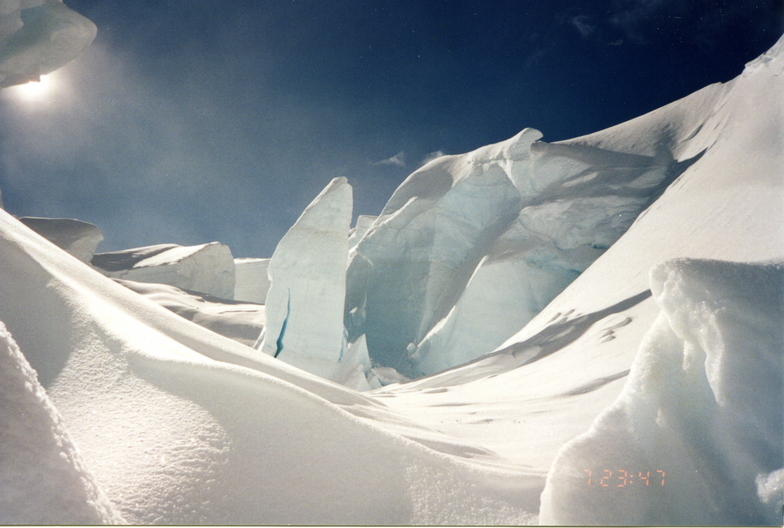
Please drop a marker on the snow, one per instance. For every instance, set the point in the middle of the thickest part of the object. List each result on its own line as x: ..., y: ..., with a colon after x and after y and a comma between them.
x: 544, y: 386
x: 701, y: 411
x: 206, y: 268
x: 251, y: 282
x: 478, y: 244
x: 37, y: 37
x: 236, y: 320
x: 308, y: 284
x: 78, y: 238
x: 43, y: 479
x: 180, y: 425
x: 662, y: 355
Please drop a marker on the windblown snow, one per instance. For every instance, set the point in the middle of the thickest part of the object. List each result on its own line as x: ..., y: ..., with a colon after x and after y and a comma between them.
x: 581, y: 332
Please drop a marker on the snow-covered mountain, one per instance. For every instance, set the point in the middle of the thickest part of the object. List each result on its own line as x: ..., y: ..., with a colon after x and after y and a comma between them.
x: 599, y: 323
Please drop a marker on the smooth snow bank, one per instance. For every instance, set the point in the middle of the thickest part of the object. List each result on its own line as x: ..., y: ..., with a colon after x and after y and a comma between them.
x: 308, y: 285
x: 251, y: 282
x: 78, y: 238
x: 37, y: 37
x: 205, y: 268
x: 236, y: 320
x: 698, y: 429
x: 43, y: 479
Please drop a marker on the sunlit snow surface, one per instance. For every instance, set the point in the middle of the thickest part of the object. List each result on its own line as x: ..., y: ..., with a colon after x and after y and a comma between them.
x: 662, y: 359
x: 699, y: 425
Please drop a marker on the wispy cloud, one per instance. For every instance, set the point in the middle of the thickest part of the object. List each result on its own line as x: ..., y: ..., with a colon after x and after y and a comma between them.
x: 584, y: 25
x: 398, y: 160
x: 636, y: 15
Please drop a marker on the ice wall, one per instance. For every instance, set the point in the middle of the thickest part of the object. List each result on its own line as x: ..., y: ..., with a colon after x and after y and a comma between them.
x: 37, y: 37
x: 364, y: 222
x: 697, y: 434
x: 78, y: 238
x: 205, y: 268
x: 308, y: 285
x: 43, y: 479
x: 471, y: 247
x: 251, y: 282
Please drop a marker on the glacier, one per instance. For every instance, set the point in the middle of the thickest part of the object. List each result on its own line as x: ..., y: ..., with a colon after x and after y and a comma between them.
x: 307, y: 273
x: 251, y: 282
x: 207, y: 268
x: 517, y: 320
x: 78, y: 238
x: 512, y: 223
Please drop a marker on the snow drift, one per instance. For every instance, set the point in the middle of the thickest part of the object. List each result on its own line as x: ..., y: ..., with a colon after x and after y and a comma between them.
x: 699, y: 422
x: 43, y: 480
x: 236, y: 320
x: 181, y: 425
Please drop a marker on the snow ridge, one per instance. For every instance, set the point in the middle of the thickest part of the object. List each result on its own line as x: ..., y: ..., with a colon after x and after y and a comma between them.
x: 43, y: 479
x: 698, y: 431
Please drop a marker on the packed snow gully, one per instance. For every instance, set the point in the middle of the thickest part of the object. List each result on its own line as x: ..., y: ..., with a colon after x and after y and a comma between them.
x: 582, y: 332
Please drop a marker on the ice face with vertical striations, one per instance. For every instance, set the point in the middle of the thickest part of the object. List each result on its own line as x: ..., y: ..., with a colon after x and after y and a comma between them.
x: 304, y: 305
x: 205, y: 268
x: 474, y: 246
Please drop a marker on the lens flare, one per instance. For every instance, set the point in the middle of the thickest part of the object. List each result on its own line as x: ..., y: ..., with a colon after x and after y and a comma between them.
x: 33, y: 91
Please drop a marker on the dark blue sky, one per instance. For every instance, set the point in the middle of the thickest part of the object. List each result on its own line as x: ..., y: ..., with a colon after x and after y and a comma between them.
x: 200, y: 120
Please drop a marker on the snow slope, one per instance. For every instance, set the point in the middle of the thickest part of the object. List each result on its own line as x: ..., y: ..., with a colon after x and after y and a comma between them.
x: 577, y: 352
x: 43, y: 479
x: 699, y: 423
x: 181, y: 425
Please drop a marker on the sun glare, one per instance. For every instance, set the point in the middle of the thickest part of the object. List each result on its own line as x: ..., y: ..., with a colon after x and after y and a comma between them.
x: 33, y: 91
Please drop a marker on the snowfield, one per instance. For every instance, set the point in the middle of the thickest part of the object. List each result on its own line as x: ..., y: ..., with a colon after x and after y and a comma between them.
x: 583, y: 332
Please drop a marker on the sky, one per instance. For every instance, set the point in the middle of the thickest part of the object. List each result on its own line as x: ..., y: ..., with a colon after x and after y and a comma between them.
x: 193, y: 121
